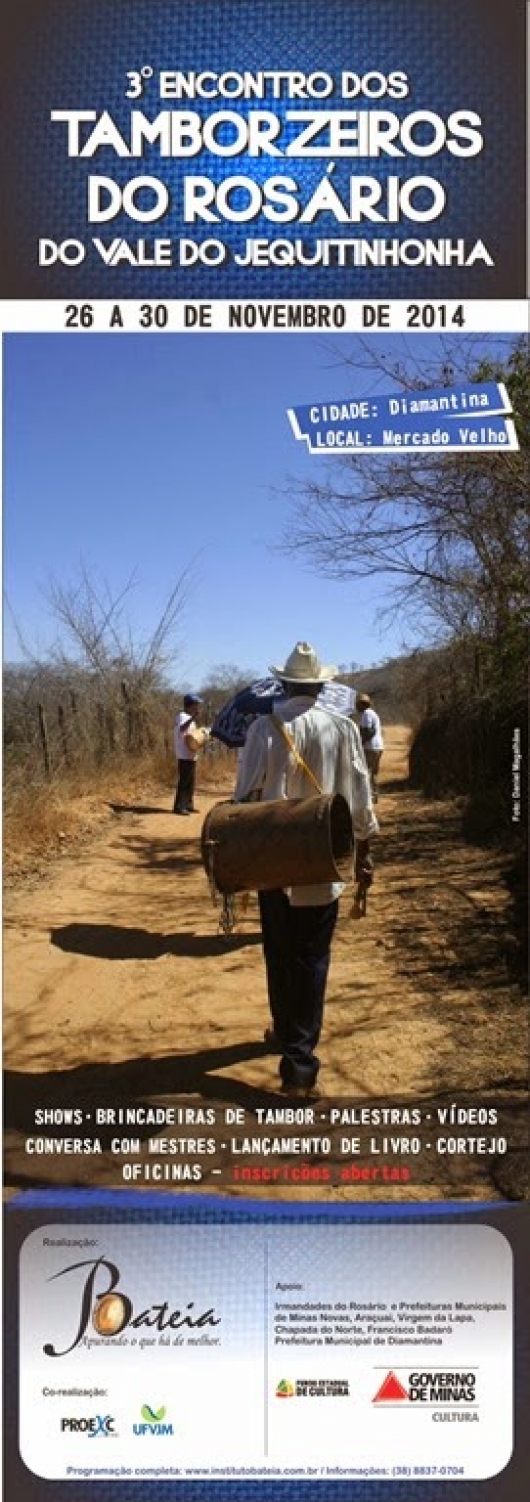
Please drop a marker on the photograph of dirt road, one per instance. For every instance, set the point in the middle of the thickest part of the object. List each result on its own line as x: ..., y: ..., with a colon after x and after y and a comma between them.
x: 134, y: 1049
x: 120, y: 991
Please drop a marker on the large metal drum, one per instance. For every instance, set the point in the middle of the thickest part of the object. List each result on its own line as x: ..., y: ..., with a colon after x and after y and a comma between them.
x: 281, y: 843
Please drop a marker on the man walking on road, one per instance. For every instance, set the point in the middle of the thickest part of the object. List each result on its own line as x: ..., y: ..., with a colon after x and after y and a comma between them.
x: 289, y: 755
x: 372, y: 738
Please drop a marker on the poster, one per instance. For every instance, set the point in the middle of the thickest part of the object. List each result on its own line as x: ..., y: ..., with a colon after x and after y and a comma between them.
x: 252, y: 254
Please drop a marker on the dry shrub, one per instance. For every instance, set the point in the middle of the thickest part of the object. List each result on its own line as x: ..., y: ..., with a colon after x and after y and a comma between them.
x: 217, y: 769
x: 43, y: 818
x: 468, y: 750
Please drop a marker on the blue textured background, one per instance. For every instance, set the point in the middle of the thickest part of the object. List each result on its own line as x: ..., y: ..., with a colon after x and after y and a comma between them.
x: 63, y: 54
x: 28, y: 1211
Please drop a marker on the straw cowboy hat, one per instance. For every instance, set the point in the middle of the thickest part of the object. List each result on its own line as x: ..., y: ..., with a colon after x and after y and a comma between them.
x: 303, y: 666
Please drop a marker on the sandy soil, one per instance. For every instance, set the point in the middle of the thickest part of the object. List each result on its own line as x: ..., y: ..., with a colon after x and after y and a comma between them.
x: 120, y: 991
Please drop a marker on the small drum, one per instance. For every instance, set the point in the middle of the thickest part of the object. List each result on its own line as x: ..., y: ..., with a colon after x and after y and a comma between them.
x: 282, y: 843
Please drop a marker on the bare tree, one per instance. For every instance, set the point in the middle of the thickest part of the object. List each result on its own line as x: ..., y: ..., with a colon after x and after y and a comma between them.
x: 99, y: 690
x: 94, y: 621
x: 227, y: 678
x: 449, y: 532
x: 117, y: 666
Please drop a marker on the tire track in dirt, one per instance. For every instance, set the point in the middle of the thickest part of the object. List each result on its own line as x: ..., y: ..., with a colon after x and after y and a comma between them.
x: 119, y: 990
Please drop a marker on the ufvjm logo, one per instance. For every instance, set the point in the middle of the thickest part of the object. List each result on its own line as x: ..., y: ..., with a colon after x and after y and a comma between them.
x: 153, y: 1423
x: 99, y: 1426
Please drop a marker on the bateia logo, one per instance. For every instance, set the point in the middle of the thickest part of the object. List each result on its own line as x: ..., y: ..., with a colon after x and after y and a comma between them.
x: 109, y: 1309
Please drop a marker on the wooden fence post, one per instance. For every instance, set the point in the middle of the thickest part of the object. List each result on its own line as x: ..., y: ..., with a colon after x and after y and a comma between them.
x: 128, y: 716
x: 63, y: 734
x: 110, y: 730
x: 100, y: 752
x: 43, y: 731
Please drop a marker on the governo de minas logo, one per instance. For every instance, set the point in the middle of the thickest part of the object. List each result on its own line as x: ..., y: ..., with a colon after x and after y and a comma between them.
x: 152, y: 1423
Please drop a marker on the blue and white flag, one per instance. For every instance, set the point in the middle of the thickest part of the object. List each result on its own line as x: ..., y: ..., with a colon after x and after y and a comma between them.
x: 232, y: 722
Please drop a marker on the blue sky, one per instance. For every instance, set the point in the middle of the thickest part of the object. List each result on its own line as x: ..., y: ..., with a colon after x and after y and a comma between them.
x: 147, y: 454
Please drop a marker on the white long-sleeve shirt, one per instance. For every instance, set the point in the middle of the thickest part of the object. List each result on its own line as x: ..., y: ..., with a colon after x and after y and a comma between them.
x: 331, y: 746
x: 370, y: 721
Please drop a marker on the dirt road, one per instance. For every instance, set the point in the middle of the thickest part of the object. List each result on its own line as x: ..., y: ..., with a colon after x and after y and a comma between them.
x: 119, y: 992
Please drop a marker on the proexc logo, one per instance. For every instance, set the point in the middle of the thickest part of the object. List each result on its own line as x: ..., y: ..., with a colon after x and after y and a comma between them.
x: 99, y: 1426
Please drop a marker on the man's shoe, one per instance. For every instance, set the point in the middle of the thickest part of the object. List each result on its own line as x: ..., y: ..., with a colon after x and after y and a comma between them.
x: 271, y: 1039
x: 300, y: 1092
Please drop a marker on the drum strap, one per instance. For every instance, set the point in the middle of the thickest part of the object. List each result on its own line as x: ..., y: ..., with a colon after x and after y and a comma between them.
x: 295, y: 754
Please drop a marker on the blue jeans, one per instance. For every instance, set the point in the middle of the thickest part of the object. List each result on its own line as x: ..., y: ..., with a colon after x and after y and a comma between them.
x: 296, y: 946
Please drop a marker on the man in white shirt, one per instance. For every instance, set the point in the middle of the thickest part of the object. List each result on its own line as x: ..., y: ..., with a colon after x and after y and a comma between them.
x: 189, y: 740
x: 298, y: 924
x: 372, y: 738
